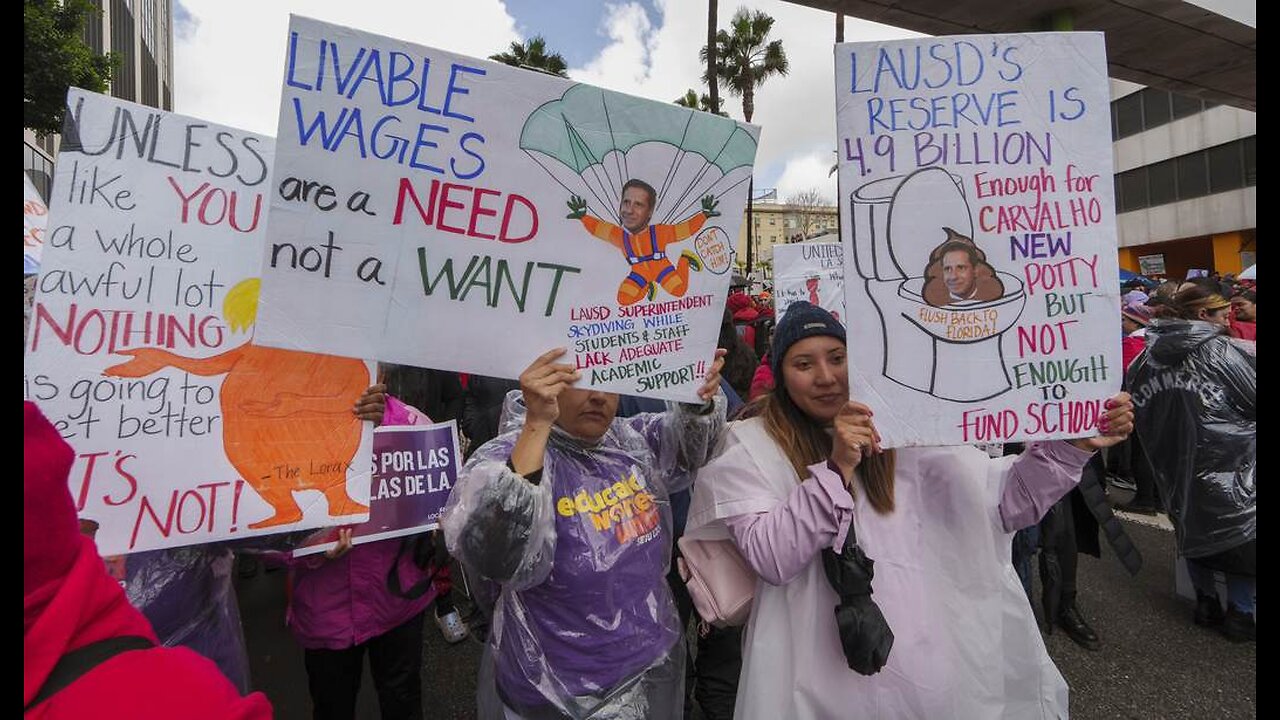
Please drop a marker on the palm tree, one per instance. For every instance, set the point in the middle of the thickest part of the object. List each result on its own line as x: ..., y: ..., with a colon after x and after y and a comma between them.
x: 712, y: 81
x: 744, y: 59
x: 532, y: 55
x: 691, y: 99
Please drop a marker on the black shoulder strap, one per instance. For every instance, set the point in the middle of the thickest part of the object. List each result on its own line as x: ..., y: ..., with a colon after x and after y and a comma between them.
x: 75, y: 664
x: 393, y: 575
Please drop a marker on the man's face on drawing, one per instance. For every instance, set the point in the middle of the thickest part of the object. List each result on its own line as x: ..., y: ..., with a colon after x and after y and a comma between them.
x: 636, y: 210
x: 958, y: 274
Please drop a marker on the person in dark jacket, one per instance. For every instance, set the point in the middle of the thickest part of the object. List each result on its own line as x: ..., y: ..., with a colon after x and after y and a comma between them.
x: 438, y: 393
x: 482, y: 407
x: 1195, y: 390
x: 1071, y: 527
x: 740, y: 363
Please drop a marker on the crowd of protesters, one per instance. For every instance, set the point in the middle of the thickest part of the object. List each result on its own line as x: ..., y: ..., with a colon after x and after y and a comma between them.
x: 581, y: 620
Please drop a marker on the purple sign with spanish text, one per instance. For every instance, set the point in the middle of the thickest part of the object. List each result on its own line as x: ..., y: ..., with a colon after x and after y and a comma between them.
x: 414, y: 468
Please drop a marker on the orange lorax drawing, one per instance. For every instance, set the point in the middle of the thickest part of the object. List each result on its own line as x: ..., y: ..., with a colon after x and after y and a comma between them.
x: 287, y: 416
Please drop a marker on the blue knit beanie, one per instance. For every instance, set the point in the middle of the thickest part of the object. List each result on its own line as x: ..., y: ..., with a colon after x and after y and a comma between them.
x: 801, y: 320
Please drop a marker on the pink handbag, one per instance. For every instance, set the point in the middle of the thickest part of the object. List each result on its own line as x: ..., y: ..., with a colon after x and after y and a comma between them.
x: 719, y: 580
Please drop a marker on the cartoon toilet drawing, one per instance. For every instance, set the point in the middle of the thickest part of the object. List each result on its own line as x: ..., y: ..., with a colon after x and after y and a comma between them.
x: 950, y: 349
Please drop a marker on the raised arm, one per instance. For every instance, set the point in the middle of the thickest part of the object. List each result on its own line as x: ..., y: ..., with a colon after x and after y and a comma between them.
x: 1046, y: 471
x: 499, y: 517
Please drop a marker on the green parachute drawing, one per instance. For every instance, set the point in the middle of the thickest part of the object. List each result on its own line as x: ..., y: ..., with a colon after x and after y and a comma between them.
x: 591, y: 141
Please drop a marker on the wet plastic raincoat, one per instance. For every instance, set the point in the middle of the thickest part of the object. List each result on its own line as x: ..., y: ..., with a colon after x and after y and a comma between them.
x: 1194, y: 394
x: 585, y: 625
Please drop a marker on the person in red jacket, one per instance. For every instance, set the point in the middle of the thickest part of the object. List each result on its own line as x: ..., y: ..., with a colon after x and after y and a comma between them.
x: 1244, y: 315
x: 86, y: 652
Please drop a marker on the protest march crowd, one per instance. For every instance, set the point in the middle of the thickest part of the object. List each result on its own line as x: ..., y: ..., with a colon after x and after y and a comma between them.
x: 746, y: 540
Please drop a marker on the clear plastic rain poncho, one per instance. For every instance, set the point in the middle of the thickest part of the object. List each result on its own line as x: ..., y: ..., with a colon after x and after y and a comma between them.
x: 585, y: 625
x: 187, y: 596
x: 1194, y: 394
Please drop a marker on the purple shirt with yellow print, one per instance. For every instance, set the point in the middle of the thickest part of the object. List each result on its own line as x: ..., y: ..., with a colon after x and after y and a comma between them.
x: 604, y: 613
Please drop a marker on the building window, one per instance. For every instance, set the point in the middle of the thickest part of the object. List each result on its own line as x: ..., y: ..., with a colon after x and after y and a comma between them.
x: 1162, y: 181
x: 1150, y: 108
x: 124, y: 82
x: 1184, y: 106
x: 1133, y: 189
x: 1193, y: 179
x: 1155, y: 108
x: 1128, y: 114
x: 1226, y: 167
x: 92, y: 32
x: 1218, y: 169
x: 1251, y: 161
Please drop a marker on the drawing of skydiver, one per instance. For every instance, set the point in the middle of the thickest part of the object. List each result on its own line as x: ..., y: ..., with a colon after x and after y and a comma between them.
x: 644, y: 245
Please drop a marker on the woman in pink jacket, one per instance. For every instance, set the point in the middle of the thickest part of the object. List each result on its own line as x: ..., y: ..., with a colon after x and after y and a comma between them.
x: 341, y: 607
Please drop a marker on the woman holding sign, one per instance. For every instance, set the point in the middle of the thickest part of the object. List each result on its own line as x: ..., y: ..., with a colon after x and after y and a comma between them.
x: 568, y: 510
x: 806, y: 494
x: 344, y: 605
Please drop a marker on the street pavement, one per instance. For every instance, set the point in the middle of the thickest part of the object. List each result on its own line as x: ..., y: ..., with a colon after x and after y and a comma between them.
x: 1154, y: 663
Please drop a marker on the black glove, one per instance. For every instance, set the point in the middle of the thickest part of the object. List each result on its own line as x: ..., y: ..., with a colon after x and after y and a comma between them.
x: 865, y: 636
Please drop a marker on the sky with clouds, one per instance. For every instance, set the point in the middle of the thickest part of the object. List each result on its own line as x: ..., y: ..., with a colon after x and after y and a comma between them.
x: 229, y: 58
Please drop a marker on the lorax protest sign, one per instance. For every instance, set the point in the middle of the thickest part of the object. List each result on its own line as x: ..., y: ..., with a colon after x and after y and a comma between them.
x: 442, y: 211
x: 414, y: 468
x: 141, y: 347
x: 809, y: 271
x: 979, y: 234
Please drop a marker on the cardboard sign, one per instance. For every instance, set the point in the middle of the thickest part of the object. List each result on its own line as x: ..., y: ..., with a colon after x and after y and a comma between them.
x: 414, y: 468
x: 813, y: 272
x: 35, y: 216
x: 979, y: 233
x: 141, y: 350
x: 441, y: 211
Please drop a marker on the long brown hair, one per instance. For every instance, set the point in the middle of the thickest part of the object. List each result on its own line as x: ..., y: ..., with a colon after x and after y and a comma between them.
x: 1188, y: 303
x: 805, y: 442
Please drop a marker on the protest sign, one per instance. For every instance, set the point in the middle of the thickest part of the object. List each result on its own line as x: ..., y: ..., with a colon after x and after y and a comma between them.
x: 414, y: 468
x: 813, y: 272
x: 140, y: 351
x: 35, y: 216
x: 979, y: 234
x: 436, y: 210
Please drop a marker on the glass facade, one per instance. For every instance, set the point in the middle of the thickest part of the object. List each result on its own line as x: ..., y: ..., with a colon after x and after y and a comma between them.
x: 1230, y: 166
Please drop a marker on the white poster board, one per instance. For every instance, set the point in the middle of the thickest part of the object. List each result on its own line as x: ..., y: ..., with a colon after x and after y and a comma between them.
x: 979, y: 233
x: 140, y: 349
x: 419, y: 216
x: 809, y: 271
x: 35, y: 217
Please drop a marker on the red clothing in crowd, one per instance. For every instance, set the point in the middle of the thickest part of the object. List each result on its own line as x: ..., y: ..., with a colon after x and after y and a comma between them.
x: 69, y: 601
x: 1244, y: 330
x: 1131, y: 346
x: 762, y: 381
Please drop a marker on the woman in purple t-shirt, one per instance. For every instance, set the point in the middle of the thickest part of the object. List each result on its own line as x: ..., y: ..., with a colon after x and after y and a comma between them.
x: 568, y: 510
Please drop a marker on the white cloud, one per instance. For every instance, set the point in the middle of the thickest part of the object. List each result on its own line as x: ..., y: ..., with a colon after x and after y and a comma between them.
x: 628, y: 28
x: 804, y: 172
x: 796, y: 113
x: 229, y: 68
